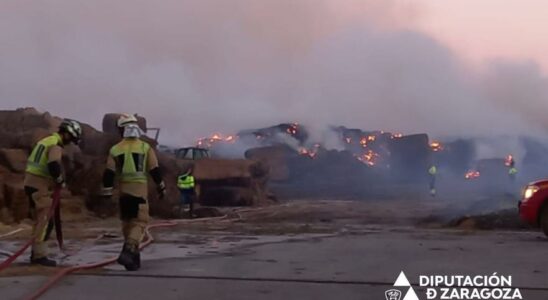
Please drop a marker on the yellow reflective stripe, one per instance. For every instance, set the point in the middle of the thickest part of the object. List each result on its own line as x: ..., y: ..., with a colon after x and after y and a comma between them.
x: 131, y: 169
x: 38, y: 159
x: 185, y: 182
x: 42, y: 227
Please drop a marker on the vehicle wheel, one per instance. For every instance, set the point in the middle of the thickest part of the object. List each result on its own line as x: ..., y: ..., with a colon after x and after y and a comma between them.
x: 544, y: 220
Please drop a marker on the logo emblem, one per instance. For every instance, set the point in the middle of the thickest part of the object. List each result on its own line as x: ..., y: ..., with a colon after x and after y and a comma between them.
x: 392, y: 294
x: 401, y: 281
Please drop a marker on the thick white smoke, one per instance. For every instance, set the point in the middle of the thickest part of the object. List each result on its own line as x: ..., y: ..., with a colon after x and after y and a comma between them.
x: 199, y: 66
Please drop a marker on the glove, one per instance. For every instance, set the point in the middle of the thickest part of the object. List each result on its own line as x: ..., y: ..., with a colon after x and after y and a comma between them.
x: 162, y: 190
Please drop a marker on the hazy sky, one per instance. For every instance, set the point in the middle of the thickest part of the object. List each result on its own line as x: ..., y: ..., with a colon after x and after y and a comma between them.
x: 194, y: 67
x: 479, y: 30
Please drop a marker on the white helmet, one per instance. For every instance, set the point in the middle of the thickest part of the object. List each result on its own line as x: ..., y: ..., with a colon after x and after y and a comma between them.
x: 73, y: 128
x: 126, y: 119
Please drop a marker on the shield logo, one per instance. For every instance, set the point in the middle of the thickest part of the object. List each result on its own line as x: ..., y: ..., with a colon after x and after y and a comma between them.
x: 392, y: 294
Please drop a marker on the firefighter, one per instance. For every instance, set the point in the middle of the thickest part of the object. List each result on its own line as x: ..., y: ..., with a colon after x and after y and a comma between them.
x: 43, y: 174
x: 186, y: 185
x: 512, y: 171
x: 129, y: 161
x: 432, y: 173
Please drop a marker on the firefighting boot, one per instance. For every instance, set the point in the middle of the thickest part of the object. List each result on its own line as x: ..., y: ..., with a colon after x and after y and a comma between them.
x: 137, y: 260
x: 127, y: 257
x: 43, y: 261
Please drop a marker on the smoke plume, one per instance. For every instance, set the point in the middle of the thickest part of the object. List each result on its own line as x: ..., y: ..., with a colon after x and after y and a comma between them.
x: 193, y: 67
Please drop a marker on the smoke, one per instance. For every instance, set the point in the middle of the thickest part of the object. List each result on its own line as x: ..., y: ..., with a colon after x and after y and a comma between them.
x: 193, y: 67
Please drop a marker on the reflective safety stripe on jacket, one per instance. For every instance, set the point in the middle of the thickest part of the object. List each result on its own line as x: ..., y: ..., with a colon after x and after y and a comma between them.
x: 37, y: 163
x: 131, y: 156
x: 185, y: 182
x: 433, y: 170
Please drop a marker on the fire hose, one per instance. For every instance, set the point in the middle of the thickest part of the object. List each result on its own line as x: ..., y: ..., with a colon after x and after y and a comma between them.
x: 53, y: 211
x: 148, y: 239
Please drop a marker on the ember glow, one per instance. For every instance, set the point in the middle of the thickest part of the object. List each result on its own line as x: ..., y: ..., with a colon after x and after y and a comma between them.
x: 293, y: 129
x: 436, y: 146
x: 208, y: 142
x: 370, y: 157
x: 308, y: 152
x: 472, y: 174
x: 509, y: 161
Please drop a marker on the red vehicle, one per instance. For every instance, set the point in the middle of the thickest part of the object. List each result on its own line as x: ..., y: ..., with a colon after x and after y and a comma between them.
x: 533, y: 208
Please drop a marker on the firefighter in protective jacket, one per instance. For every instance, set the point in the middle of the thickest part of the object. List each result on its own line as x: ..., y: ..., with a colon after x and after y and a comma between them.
x: 130, y: 162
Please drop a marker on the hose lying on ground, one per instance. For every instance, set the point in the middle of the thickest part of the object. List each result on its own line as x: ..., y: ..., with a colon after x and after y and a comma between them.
x: 56, y: 198
x: 148, y: 239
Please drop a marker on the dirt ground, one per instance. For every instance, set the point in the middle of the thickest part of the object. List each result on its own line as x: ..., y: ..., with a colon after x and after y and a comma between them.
x: 281, y: 238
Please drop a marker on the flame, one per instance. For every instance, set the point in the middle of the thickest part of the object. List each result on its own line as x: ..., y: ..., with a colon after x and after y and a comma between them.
x: 371, y: 138
x: 509, y: 161
x: 396, y: 136
x: 473, y: 174
x: 369, y: 157
x: 293, y: 129
x: 308, y: 152
x: 436, y: 146
x: 363, y: 142
x: 215, y: 138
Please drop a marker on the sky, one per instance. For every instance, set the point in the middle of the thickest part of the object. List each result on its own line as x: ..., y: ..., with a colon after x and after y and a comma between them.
x: 481, y: 30
x: 195, y: 67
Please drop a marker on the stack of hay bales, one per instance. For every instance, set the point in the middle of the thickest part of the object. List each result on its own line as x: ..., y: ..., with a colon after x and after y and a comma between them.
x: 84, y: 166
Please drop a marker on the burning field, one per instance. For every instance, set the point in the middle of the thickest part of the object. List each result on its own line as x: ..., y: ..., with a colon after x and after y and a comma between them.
x: 354, y: 163
x: 255, y: 167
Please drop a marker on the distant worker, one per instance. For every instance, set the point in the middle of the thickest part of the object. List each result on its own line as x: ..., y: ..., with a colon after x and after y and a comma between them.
x: 129, y: 161
x: 512, y: 172
x: 43, y: 174
x: 511, y: 164
x: 186, y: 184
x: 432, y: 173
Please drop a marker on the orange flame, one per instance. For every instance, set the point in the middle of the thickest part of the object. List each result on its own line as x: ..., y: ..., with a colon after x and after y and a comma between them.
x: 369, y: 157
x: 436, y: 146
x: 216, y: 138
x: 509, y: 161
